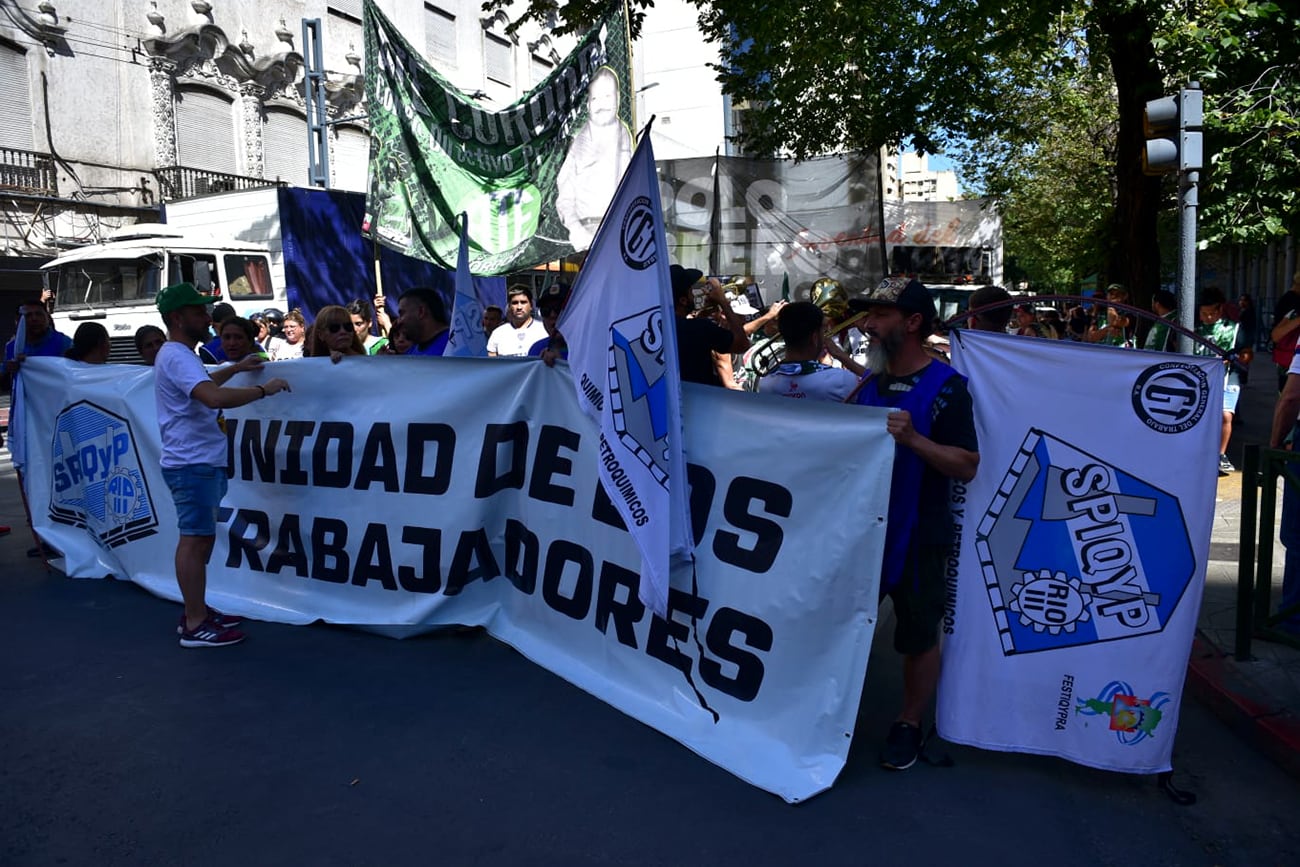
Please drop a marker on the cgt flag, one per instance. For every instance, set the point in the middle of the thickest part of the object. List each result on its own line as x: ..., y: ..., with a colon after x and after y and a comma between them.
x: 623, y: 352
x: 467, y: 337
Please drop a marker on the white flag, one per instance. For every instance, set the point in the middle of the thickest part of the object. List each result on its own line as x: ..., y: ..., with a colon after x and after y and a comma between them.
x: 467, y: 337
x: 618, y: 325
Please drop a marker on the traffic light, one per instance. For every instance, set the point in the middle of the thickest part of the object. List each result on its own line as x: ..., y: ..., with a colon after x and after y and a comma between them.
x: 1173, y: 131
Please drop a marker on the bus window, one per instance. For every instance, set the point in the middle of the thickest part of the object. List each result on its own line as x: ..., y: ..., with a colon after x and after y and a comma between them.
x: 197, y: 268
x: 248, y: 276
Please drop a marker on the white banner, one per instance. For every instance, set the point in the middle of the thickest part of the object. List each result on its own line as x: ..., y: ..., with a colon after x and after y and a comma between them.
x: 467, y: 492
x: 623, y: 349
x: 1083, y: 548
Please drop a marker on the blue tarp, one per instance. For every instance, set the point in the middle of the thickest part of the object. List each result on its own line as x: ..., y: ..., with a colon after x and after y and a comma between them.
x: 328, y: 261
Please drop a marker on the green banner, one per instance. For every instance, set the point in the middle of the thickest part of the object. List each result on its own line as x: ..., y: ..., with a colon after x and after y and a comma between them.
x: 535, y: 178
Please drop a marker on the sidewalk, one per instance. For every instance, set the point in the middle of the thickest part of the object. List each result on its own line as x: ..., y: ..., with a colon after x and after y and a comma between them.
x: 1259, y: 699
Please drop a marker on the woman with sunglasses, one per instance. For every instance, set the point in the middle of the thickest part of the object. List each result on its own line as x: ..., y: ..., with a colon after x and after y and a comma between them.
x: 332, y: 334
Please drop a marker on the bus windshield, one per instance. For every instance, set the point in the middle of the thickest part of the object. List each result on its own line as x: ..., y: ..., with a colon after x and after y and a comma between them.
x: 107, y: 282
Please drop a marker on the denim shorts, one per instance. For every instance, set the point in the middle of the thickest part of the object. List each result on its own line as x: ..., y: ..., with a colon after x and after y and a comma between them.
x: 1231, y: 394
x: 197, y: 491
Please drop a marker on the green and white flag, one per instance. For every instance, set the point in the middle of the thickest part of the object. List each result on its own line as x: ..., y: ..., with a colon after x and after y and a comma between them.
x: 535, y: 178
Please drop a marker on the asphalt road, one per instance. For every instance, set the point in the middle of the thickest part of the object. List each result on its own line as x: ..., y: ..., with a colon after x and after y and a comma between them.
x: 329, y: 746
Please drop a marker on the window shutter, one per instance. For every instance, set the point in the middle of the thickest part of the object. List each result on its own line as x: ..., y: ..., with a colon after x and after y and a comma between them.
x: 540, y: 68
x: 205, y: 132
x: 351, y: 160
x: 350, y: 8
x: 439, y: 36
x: 498, y: 59
x: 15, y: 100
x: 284, y: 147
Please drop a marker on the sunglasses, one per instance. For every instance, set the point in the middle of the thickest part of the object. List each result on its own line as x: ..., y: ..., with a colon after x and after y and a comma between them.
x: 336, y: 327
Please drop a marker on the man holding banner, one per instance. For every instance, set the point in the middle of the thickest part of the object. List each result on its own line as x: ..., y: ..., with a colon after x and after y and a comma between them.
x: 933, y: 426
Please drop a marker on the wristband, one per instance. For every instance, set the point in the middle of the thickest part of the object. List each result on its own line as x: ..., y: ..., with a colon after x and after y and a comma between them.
x: 263, y: 390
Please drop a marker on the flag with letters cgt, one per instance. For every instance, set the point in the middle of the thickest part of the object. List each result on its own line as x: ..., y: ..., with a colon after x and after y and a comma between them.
x: 623, y: 353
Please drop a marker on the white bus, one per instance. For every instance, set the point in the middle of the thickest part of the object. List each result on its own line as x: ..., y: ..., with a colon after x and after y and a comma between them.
x: 115, y: 283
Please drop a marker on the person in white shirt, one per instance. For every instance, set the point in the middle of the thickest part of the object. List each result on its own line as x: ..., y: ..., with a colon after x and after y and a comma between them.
x: 193, y: 461
x: 520, y: 330
x: 802, y: 376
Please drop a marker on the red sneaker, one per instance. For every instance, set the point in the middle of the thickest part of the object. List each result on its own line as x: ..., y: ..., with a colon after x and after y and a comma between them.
x: 208, y: 634
x: 225, y: 621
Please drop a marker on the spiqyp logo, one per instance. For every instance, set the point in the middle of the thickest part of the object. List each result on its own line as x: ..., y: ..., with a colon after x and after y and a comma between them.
x: 638, y: 388
x: 1075, y: 551
x: 1171, y: 397
x: 97, y: 482
x: 636, y: 239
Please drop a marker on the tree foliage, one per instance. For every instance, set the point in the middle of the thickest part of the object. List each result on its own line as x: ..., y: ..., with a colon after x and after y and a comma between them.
x: 1041, y: 100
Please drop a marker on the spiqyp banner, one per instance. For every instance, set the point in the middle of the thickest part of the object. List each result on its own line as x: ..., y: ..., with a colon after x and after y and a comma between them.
x: 535, y: 177
x: 473, y: 499
x: 771, y: 218
x: 1083, y: 548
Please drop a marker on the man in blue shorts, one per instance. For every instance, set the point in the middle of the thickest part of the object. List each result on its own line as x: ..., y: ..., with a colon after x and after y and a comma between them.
x: 190, y: 401
x: 933, y: 425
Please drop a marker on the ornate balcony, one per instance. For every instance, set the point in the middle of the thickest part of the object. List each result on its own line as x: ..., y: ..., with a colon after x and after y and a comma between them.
x: 27, y: 172
x: 179, y: 182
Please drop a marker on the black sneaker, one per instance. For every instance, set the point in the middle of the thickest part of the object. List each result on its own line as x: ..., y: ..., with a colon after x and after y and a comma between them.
x: 902, y: 747
x: 215, y: 617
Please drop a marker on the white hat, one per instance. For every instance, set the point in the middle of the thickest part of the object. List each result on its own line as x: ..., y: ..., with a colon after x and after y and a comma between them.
x: 740, y: 304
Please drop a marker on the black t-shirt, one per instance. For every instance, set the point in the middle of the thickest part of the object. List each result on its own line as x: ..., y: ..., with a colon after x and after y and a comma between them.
x: 952, y: 423
x: 697, y: 340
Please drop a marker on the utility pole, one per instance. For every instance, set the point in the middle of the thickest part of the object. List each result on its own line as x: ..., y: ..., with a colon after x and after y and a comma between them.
x: 1174, y: 144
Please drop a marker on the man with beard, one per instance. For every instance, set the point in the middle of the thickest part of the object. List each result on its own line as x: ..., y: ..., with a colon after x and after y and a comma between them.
x: 597, y: 158
x: 933, y: 426
x: 190, y: 401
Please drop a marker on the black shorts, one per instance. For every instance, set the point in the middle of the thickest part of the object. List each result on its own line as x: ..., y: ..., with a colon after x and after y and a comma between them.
x: 919, y: 600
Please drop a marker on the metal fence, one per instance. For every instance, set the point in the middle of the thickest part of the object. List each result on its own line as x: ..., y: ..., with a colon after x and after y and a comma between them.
x: 1259, y: 477
x: 180, y: 182
x: 27, y: 172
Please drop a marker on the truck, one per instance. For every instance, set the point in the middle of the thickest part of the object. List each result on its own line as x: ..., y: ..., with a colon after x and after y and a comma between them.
x: 277, y: 247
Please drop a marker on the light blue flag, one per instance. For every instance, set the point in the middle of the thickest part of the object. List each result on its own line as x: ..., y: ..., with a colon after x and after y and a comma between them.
x: 619, y: 327
x: 467, y: 337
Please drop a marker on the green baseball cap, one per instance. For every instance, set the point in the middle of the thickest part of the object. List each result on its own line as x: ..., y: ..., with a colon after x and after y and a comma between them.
x: 181, y: 295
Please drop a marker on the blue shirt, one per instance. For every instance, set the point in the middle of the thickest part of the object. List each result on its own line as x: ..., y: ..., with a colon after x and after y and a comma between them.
x: 52, y: 345
x: 541, y: 346
x: 436, y: 346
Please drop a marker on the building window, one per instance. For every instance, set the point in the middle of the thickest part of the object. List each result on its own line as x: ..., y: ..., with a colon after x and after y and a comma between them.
x: 541, y: 67
x: 351, y: 159
x: 499, y: 59
x: 347, y: 8
x: 15, y: 99
x: 205, y: 131
x: 284, y: 147
x: 439, y: 35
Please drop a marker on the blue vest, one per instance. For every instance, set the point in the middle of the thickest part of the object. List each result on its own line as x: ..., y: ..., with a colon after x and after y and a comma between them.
x: 905, y: 486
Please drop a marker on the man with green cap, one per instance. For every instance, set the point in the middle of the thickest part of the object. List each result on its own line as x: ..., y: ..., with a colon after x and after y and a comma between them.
x: 190, y: 401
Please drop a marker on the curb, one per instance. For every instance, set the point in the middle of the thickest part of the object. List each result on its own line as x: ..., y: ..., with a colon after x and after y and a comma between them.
x: 1220, y: 682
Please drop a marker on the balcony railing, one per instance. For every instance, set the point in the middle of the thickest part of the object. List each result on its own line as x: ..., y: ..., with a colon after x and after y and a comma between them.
x: 179, y: 182
x: 27, y: 172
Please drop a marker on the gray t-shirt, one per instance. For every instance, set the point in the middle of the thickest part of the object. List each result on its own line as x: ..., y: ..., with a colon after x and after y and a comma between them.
x: 191, y: 433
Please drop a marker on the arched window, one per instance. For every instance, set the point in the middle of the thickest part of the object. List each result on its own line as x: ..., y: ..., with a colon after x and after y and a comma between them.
x: 205, y: 130
x: 351, y: 158
x: 15, y: 99
x: 284, y: 146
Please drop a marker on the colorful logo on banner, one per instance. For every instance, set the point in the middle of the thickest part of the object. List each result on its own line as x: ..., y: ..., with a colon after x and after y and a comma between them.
x: 96, y: 481
x: 1062, y: 547
x: 1131, y: 718
x: 1171, y: 397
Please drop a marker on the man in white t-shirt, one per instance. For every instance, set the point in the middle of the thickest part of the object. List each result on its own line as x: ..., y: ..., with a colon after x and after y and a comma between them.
x: 520, y: 330
x: 190, y: 401
x: 802, y: 376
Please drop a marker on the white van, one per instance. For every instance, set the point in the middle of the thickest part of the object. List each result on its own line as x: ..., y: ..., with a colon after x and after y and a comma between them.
x: 115, y: 283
